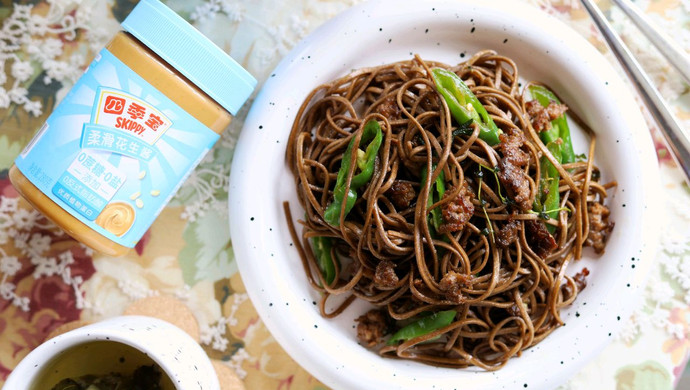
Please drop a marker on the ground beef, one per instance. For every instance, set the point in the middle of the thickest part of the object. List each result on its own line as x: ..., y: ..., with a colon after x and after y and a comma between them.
x: 515, y: 181
x: 458, y: 211
x: 385, y: 276
x: 580, y: 279
x: 555, y: 110
x: 401, y: 194
x: 371, y: 327
x: 510, y: 174
x: 508, y: 233
x: 538, y: 116
x: 541, y: 116
x: 389, y: 108
x: 599, y: 227
x: 452, y: 284
x: 538, y: 238
x: 511, y: 147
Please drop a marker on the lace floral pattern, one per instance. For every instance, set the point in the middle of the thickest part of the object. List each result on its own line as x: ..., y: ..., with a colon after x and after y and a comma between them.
x: 47, y: 279
x: 36, y: 45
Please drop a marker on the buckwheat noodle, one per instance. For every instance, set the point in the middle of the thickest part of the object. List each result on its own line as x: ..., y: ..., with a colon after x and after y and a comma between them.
x: 510, y: 295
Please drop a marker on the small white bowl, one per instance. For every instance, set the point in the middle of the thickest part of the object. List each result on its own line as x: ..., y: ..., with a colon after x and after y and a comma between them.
x: 119, y: 344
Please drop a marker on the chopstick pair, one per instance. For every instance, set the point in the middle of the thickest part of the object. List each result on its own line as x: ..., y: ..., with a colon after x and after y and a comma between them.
x: 670, y: 127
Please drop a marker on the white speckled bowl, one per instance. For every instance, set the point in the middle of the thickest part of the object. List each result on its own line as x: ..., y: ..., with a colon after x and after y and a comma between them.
x: 178, y: 355
x: 379, y: 32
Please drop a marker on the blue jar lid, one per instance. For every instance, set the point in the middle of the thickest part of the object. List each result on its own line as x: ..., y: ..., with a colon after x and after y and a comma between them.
x: 191, y: 53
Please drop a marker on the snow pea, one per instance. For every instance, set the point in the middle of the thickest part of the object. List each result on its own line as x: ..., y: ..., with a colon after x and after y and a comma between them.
x: 424, y: 325
x: 322, y: 251
x: 436, y: 191
x: 559, y: 126
x: 548, y: 199
x: 365, y: 161
x: 464, y: 105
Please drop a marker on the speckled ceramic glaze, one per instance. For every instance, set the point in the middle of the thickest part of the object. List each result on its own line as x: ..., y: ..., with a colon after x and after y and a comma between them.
x: 180, y: 357
x: 448, y: 31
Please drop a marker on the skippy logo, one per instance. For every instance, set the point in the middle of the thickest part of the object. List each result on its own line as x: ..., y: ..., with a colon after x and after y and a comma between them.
x: 122, y: 111
x: 123, y: 124
x: 114, y: 105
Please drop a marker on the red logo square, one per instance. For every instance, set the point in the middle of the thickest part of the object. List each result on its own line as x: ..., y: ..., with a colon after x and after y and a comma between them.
x: 114, y: 105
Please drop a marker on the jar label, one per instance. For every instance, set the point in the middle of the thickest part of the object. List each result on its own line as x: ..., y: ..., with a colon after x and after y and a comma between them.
x: 114, y: 151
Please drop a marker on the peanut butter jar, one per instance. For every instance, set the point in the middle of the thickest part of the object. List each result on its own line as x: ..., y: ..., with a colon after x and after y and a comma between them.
x: 122, y: 141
